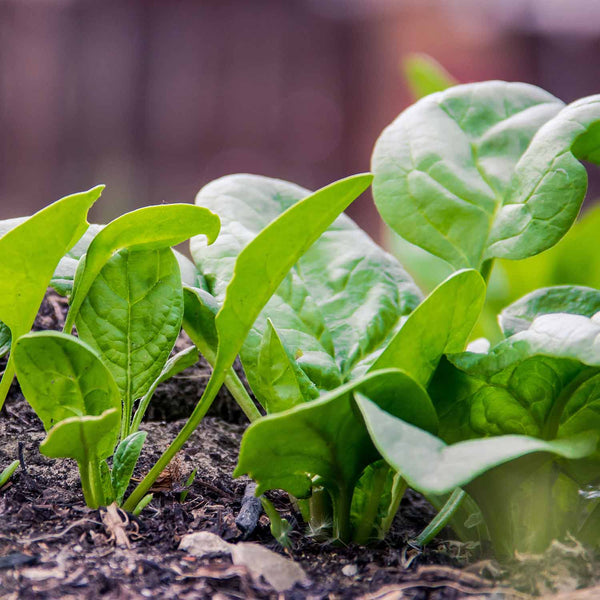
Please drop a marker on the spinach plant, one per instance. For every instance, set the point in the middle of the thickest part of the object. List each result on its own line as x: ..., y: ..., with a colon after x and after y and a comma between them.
x: 337, y: 323
x: 127, y: 304
x: 259, y: 270
x: 471, y: 174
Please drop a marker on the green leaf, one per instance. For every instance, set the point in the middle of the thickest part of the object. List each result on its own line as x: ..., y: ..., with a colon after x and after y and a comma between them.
x: 439, y: 325
x: 263, y: 264
x: 326, y: 437
x: 132, y: 316
x: 342, y: 299
x: 200, y: 310
x: 425, y: 75
x: 572, y: 299
x: 150, y: 228
x: 86, y: 439
x: 444, y: 167
x: 430, y: 466
x: 124, y: 462
x: 7, y: 473
x: 279, y: 382
x: 62, y: 377
x: 30, y: 253
x: 549, y: 183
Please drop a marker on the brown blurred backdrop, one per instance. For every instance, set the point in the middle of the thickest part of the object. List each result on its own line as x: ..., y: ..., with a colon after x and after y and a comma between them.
x: 155, y: 99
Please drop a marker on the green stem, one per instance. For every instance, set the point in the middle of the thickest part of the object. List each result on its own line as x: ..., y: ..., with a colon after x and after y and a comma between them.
x: 486, y: 269
x: 319, y: 509
x: 241, y: 396
x: 6, y: 380
x: 365, y: 527
x: 399, y: 487
x: 341, y: 515
x: 212, y: 388
x: 87, y: 484
x: 441, y: 519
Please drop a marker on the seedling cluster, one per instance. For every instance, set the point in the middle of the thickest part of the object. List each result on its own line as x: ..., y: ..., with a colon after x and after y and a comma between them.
x: 363, y: 387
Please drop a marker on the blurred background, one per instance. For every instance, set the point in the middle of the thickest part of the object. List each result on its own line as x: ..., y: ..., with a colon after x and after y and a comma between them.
x: 155, y: 99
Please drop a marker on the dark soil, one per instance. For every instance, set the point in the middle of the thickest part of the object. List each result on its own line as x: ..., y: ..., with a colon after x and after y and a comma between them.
x: 53, y: 546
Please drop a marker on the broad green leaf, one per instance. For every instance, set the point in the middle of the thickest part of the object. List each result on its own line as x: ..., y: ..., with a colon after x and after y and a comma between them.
x: 264, y: 263
x: 150, y: 228
x: 62, y: 377
x: 124, y: 462
x: 440, y: 324
x: 132, y: 316
x: 279, y: 382
x: 326, y: 437
x: 30, y: 253
x: 430, y: 466
x: 444, y: 167
x: 87, y: 439
x: 572, y: 299
x: 342, y: 299
x: 425, y: 75
x: 549, y: 183
x: 523, y: 384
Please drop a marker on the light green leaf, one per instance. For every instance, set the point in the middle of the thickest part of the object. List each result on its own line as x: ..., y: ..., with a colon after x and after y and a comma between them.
x: 7, y: 473
x: 432, y: 467
x: 132, y: 316
x: 439, y: 325
x: 425, y: 75
x: 443, y: 168
x: 263, y: 264
x: 62, y: 377
x: 87, y: 439
x: 30, y: 253
x: 279, y: 382
x: 342, y: 299
x: 572, y: 299
x: 124, y: 462
x: 150, y: 228
x: 549, y: 183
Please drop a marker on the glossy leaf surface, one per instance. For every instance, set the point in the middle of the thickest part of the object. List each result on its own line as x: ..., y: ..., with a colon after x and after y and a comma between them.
x: 150, y: 228
x: 432, y: 467
x: 445, y: 166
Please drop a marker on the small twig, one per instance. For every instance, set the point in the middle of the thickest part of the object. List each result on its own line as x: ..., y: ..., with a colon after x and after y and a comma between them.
x: 22, y: 458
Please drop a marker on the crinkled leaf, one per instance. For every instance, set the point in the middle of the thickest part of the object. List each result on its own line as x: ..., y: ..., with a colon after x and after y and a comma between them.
x: 523, y: 384
x: 63, y: 377
x: 549, y: 183
x: 124, y: 462
x: 425, y: 75
x: 279, y: 382
x: 440, y: 324
x: 430, y: 466
x: 326, y: 437
x: 30, y: 253
x: 132, y: 316
x: 265, y: 261
x: 85, y: 439
x: 342, y: 299
x: 444, y: 167
x: 572, y: 299
x: 150, y: 228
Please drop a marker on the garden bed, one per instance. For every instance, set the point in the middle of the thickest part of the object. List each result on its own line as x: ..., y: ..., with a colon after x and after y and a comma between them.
x: 53, y: 546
